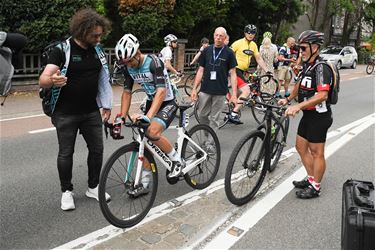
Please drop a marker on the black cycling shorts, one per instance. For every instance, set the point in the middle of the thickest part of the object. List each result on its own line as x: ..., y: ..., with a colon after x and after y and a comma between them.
x: 166, y: 113
x: 314, y: 126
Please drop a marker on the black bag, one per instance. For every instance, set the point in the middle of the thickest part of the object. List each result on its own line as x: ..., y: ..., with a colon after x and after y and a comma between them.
x: 49, y: 96
x: 358, y: 215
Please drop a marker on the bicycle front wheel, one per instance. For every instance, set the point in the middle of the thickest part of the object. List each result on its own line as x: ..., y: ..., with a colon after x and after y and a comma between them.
x: 245, y: 171
x: 117, y: 179
x: 370, y: 68
x: 203, y: 174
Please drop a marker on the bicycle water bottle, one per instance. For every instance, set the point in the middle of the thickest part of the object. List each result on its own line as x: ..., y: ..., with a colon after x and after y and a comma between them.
x: 116, y: 131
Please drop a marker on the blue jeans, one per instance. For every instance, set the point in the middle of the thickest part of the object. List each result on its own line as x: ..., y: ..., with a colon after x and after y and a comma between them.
x: 90, y: 126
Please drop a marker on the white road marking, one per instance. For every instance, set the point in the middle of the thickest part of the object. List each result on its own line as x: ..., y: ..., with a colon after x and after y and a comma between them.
x: 21, y: 117
x: 224, y: 240
x: 42, y: 130
x: 109, y: 232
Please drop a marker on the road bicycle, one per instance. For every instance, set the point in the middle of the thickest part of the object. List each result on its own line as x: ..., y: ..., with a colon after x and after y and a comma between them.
x: 256, y: 84
x: 370, y: 66
x: 122, y: 177
x: 189, y: 81
x: 256, y: 153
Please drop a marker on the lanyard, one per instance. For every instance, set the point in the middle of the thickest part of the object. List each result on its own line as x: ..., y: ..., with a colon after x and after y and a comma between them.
x: 213, y: 53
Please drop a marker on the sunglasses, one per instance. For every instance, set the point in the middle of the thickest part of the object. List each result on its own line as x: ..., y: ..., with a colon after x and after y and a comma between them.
x: 303, y: 48
x: 251, y: 32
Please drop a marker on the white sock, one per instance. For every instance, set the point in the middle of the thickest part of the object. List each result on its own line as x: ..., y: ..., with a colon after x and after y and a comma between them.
x: 234, y: 113
x: 146, y: 177
x: 173, y: 155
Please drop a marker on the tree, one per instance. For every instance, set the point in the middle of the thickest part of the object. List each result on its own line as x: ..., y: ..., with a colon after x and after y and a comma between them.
x: 265, y: 14
x: 42, y: 21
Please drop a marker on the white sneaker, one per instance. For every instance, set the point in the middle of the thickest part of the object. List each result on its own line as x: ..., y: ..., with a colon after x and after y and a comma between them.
x: 94, y: 193
x: 67, y: 201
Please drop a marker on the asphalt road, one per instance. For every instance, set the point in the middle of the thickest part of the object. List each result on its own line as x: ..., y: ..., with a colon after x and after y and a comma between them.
x: 30, y: 195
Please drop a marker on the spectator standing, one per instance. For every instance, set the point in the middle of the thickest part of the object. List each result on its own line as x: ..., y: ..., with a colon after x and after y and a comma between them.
x: 84, y: 89
x: 215, y: 63
x: 269, y: 55
x: 204, y: 44
x: 285, y: 59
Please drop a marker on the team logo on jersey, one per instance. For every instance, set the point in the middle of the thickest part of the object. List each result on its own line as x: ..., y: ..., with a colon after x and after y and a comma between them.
x: 248, y: 52
x: 76, y: 58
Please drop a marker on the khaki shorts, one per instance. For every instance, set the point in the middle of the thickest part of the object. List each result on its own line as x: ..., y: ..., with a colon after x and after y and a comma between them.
x: 284, y: 73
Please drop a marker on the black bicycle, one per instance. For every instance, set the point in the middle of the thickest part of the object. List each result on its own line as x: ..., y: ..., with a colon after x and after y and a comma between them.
x: 256, y: 153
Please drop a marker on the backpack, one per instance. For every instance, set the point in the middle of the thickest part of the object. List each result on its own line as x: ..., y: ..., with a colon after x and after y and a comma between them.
x: 334, y: 89
x: 50, y: 95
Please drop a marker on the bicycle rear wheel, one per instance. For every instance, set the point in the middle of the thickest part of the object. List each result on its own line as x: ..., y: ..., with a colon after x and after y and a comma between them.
x: 117, y: 179
x: 139, y: 99
x: 278, y: 141
x: 189, y: 83
x: 183, y: 98
x: 245, y: 171
x: 370, y: 68
x: 204, y: 174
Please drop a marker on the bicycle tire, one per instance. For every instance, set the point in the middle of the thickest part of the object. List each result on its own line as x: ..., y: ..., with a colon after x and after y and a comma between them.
x: 239, y: 176
x: 139, y: 98
x: 370, y: 68
x: 270, y: 87
x: 189, y: 84
x: 223, y: 116
x: 204, y: 174
x: 183, y: 98
x: 278, y: 141
x: 119, y: 210
x: 258, y: 111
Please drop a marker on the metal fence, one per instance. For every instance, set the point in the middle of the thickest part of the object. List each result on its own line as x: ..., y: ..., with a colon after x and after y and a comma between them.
x: 31, y: 63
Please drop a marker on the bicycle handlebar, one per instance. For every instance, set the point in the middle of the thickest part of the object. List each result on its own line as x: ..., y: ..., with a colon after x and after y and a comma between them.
x: 252, y: 102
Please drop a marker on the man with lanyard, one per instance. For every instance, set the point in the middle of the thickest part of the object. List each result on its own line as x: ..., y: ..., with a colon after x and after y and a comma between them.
x: 312, y: 91
x: 244, y: 49
x: 215, y: 63
x: 149, y: 72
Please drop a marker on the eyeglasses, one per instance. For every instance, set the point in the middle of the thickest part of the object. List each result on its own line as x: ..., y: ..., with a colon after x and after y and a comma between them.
x: 303, y: 48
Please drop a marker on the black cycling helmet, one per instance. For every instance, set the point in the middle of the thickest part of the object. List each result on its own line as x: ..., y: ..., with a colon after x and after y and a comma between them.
x: 250, y: 29
x: 311, y: 37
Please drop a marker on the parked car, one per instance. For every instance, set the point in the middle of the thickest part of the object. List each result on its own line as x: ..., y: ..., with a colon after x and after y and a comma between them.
x: 341, y: 56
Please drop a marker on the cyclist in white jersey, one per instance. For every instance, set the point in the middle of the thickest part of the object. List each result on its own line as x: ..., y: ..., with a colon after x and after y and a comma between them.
x: 167, y: 52
x: 149, y: 72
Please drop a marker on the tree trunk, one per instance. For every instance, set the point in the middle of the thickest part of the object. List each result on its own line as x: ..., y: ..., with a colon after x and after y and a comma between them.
x: 345, y: 35
x: 316, y: 12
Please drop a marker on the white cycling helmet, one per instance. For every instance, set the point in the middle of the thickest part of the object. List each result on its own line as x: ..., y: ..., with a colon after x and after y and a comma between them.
x: 126, y: 47
x: 170, y: 38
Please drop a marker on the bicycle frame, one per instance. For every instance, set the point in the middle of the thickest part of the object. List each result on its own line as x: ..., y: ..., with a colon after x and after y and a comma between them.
x: 160, y: 155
